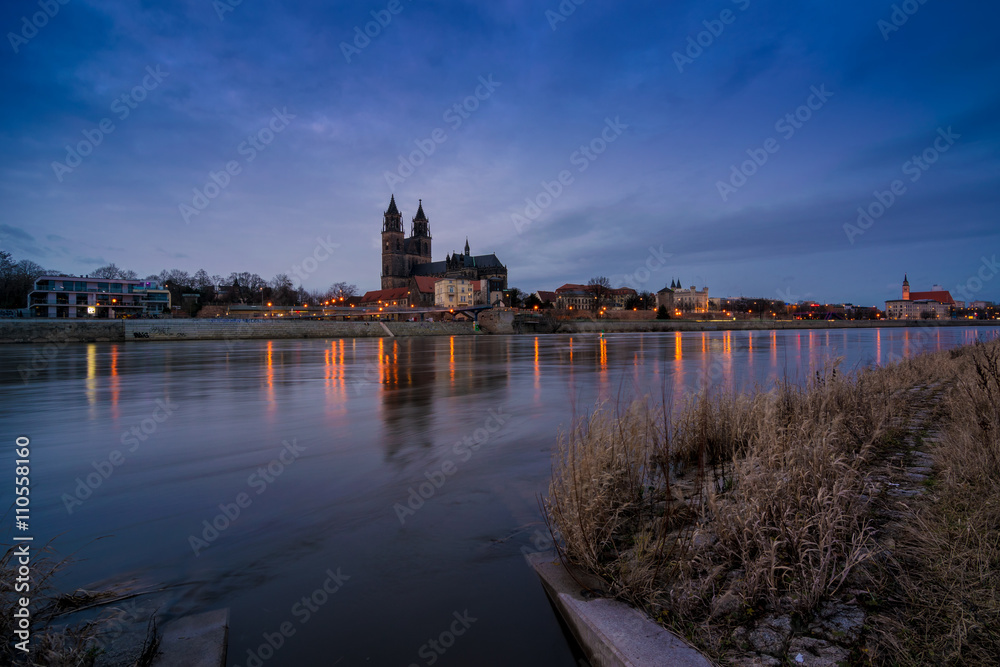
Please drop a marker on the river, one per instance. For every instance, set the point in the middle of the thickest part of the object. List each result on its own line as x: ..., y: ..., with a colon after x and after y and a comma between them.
x: 362, y: 496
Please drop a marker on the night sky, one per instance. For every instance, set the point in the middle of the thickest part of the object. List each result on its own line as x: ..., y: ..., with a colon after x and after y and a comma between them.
x: 115, y: 113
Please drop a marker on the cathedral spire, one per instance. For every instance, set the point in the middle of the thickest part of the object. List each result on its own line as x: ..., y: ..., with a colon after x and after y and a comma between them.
x: 392, y: 221
x: 466, y: 245
x: 421, y: 225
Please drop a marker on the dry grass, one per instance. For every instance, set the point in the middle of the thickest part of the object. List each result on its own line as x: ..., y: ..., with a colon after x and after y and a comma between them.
x: 742, y: 503
x: 47, y: 646
x: 940, y: 589
x: 51, y: 644
x: 610, y: 498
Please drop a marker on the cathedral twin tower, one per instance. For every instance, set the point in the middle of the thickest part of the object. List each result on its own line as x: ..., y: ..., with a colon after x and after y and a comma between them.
x: 401, y: 254
x: 405, y: 258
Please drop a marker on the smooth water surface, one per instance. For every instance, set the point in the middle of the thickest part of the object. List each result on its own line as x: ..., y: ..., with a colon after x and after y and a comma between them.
x: 403, y: 474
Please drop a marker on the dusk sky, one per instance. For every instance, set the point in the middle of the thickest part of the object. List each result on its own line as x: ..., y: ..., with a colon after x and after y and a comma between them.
x: 644, y: 108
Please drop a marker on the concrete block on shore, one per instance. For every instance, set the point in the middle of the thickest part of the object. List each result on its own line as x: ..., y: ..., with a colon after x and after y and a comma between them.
x: 611, y: 633
x: 195, y: 641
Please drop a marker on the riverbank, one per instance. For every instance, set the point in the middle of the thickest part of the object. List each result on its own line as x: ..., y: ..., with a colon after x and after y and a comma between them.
x: 639, y: 326
x: 92, y: 331
x: 830, y: 524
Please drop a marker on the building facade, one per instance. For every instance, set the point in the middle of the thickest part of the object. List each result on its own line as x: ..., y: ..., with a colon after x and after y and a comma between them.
x: 665, y: 299
x: 453, y: 293
x: 100, y: 298
x: 572, y: 296
x: 690, y: 300
x: 406, y: 257
x: 935, y: 304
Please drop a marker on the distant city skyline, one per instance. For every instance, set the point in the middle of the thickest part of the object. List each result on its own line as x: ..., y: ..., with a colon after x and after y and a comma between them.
x: 765, y: 149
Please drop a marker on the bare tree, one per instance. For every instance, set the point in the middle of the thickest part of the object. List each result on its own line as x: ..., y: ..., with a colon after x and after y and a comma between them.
x: 175, y: 277
x: 202, y: 281
x: 342, y: 290
x: 17, y: 279
x: 282, y: 290
x: 109, y: 272
x: 600, y: 287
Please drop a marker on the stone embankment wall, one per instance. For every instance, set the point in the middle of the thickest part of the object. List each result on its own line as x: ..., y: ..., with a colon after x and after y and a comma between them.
x: 610, y: 326
x: 86, y: 331
x: 44, y: 331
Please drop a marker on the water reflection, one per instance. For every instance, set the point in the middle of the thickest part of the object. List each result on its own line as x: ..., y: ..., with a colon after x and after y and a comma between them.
x: 115, y: 383
x: 92, y: 378
x: 376, y: 417
x: 269, y: 376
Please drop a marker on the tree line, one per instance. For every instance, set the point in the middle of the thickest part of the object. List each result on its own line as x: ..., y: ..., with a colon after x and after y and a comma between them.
x: 17, y: 279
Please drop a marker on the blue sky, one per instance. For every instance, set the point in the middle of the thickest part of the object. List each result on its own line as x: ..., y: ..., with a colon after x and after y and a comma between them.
x: 643, y: 108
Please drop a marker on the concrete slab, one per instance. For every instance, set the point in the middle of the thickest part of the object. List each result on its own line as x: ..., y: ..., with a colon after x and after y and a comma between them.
x: 611, y: 633
x: 195, y: 641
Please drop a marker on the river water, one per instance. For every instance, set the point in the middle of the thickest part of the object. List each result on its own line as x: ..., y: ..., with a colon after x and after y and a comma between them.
x: 353, y: 500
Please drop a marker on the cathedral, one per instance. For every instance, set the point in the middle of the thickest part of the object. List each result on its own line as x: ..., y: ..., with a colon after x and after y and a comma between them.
x: 407, y: 257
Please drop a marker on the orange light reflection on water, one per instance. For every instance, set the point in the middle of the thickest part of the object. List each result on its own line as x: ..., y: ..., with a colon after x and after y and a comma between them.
x: 115, y: 382
x: 271, y: 402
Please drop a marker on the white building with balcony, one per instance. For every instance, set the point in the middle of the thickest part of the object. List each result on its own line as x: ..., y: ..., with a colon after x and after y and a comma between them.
x: 97, y: 298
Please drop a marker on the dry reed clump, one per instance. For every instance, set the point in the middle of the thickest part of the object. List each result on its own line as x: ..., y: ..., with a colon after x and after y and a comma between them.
x: 610, y: 500
x: 940, y: 589
x: 788, y: 510
x: 793, y: 521
x: 50, y: 646
x: 739, y: 502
